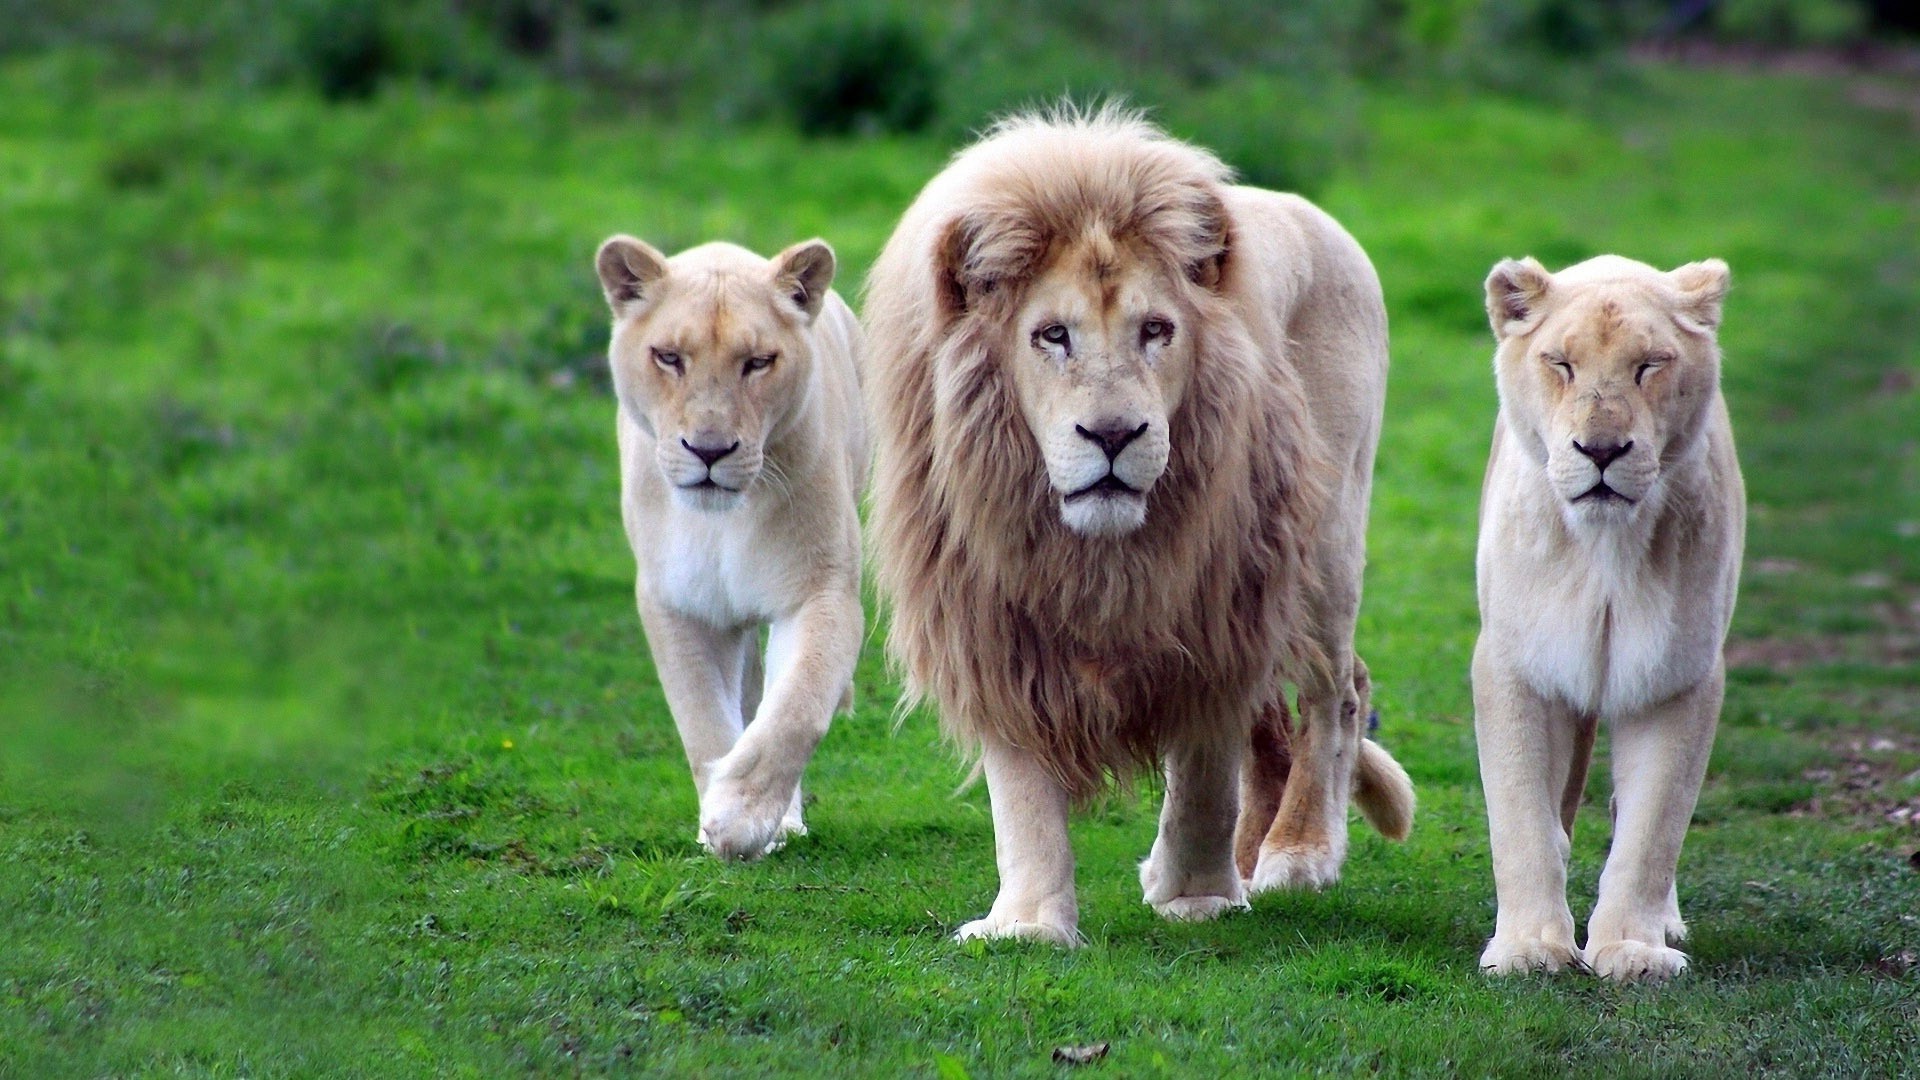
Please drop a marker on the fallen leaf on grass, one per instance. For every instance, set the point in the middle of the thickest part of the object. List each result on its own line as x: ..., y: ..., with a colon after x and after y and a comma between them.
x: 1080, y: 1055
x: 1896, y: 965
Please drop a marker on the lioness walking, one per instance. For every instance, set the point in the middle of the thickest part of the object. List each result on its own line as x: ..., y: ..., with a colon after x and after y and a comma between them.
x: 742, y: 454
x: 1611, y: 526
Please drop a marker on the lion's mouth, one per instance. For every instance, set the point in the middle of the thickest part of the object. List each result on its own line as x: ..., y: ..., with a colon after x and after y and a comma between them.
x: 1105, y: 487
x: 709, y: 484
x: 1601, y: 493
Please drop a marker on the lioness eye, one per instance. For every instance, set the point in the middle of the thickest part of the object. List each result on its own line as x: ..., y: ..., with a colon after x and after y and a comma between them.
x: 1559, y: 363
x: 760, y: 363
x: 1054, y: 334
x: 1647, y: 368
x: 669, y: 360
x: 1156, y: 330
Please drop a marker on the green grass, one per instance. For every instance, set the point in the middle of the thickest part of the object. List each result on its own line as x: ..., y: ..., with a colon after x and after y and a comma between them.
x: 331, y: 745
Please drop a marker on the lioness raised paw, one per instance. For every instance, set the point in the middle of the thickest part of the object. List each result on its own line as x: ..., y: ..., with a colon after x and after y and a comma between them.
x: 992, y: 926
x: 1636, y: 961
x: 745, y: 817
x: 1522, y: 956
x: 1295, y: 868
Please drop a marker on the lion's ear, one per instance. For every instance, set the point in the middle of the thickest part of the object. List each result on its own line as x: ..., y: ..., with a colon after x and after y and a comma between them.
x: 1211, y: 237
x: 803, y: 273
x: 1703, y: 285
x: 629, y: 272
x: 950, y: 266
x: 1516, y: 295
x: 980, y: 253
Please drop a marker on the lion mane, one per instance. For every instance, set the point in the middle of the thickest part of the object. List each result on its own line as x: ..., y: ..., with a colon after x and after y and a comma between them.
x: 1093, y: 653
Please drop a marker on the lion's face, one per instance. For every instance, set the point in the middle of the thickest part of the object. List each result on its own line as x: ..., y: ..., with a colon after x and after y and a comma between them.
x: 710, y: 355
x: 1607, y: 369
x: 1099, y: 360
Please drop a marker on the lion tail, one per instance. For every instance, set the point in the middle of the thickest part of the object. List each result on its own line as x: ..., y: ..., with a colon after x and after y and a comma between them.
x: 1383, y: 792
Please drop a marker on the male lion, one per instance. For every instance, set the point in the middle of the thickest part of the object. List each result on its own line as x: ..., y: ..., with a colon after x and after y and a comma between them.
x: 1611, y: 527
x: 1126, y: 418
x: 742, y: 455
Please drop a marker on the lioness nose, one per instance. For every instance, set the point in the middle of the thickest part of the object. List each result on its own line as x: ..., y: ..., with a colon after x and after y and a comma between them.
x: 710, y: 454
x: 1603, y: 454
x: 1111, y: 436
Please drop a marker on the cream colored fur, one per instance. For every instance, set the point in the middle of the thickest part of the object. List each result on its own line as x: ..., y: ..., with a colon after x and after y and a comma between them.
x: 718, y: 353
x: 1125, y: 420
x: 1602, y: 604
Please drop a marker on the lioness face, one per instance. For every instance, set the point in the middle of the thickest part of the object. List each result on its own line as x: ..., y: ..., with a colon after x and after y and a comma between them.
x: 1099, y: 361
x: 1609, y: 367
x: 710, y: 355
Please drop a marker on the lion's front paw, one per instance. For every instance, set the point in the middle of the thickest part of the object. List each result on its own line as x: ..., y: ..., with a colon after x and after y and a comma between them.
x: 1636, y: 961
x: 1295, y: 868
x: 1189, y: 897
x: 1053, y: 932
x: 1521, y: 956
x: 744, y: 816
x: 1198, y: 908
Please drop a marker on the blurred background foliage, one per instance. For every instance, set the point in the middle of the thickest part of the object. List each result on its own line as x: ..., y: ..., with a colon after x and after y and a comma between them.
x: 848, y: 67
x: 328, y: 741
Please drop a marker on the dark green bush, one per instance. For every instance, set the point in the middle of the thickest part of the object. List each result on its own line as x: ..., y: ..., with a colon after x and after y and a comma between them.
x: 1280, y: 133
x: 1793, y: 22
x: 347, y: 50
x: 856, y: 71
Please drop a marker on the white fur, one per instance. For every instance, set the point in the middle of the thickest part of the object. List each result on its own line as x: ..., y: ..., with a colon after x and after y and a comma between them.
x: 709, y: 567
x: 1611, y: 610
x: 779, y: 550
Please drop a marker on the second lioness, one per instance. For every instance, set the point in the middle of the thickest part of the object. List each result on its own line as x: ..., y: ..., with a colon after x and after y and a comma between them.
x: 742, y: 455
x: 1611, y: 528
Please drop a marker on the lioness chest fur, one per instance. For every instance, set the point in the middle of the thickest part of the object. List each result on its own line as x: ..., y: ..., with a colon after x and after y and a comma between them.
x: 1125, y: 415
x: 742, y: 455
x: 1610, y: 539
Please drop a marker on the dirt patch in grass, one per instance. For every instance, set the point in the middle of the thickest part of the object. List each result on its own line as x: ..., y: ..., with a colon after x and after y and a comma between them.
x: 1892, y: 640
x: 1875, y: 779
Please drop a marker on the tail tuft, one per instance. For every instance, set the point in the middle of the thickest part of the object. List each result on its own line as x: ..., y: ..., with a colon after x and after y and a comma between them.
x: 1383, y: 792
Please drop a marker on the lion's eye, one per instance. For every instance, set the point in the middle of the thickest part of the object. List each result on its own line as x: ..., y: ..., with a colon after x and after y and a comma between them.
x: 760, y: 363
x: 669, y: 360
x: 1646, y: 368
x: 1156, y: 330
x: 1053, y: 334
x: 1559, y: 363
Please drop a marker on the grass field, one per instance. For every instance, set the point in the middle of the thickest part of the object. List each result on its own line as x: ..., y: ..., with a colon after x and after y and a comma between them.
x: 331, y: 746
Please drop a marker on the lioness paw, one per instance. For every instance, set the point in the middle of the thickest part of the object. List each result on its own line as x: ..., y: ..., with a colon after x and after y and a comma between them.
x: 740, y: 836
x: 1636, y: 961
x: 735, y: 826
x: 746, y: 814
x: 1295, y: 868
x: 1521, y: 956
x: 992, y: 926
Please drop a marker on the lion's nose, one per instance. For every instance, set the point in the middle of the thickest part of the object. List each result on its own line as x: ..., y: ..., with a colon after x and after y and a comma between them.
x: 710, y: 453
x: 1603, y: 454
x: 1111, y: 436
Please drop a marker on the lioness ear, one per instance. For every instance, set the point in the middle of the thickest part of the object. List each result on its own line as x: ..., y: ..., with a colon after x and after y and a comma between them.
x: 629, y: 271
x: 1516, y: 293
x: 803, y: 273
x: 1703, y: 285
